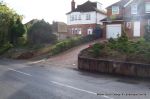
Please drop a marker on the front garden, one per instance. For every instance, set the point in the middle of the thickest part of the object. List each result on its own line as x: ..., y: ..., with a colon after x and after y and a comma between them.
x: 121, y: 49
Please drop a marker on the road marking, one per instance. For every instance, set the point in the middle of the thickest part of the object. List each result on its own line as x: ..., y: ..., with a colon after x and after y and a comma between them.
x: 20, y: 72
x: 75, y: 88
x: 61, y: 84
x: 35, y: 62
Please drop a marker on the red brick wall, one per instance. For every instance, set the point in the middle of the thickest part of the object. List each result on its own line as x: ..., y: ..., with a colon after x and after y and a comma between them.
x: 84, y: 28
x: 109, y: 12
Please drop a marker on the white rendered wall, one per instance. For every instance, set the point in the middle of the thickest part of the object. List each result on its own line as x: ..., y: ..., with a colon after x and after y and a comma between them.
x: 100, y: 17
x: 95, y: 18
x: 83, y: 18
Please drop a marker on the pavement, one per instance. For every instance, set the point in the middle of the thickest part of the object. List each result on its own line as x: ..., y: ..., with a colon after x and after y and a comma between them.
x: 58, y: 78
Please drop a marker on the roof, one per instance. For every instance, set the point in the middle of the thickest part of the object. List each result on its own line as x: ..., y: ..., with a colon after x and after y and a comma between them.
x: 120, y: 3
x: 87, y: 7
x: 116, y: 18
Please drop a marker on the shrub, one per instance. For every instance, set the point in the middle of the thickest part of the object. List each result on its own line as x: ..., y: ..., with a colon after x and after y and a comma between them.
x: 5, y: 47
x: 69, y: 43
x: 96, y: 49
x: 122, y: 49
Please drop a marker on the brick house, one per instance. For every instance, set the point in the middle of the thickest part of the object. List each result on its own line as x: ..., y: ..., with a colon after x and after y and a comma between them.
x: 81, y: 20
x: 129, y: 15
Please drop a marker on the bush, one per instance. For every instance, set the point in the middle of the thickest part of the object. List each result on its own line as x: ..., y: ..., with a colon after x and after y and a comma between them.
x: 70, y: 43
x: 5, y: 47
x: 96, y: 49
x: 122, y: 49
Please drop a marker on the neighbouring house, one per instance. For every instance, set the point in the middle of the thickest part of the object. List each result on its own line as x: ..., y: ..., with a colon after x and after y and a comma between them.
x: 60, y: 29
x: 131, y: 16
x: 81, y: 20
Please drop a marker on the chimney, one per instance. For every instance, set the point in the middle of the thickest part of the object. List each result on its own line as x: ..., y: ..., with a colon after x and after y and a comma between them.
x: 72, y: 5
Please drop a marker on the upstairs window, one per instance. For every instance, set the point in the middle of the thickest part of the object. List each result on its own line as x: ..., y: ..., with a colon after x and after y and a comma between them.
x: 134, y: 9
x: 79, y: 17
x: 72, y: 18
x: 148, y: 25
x: 75, y: 17
x: 88, y: 17
x: 115, y: 10
x: 147, y: 7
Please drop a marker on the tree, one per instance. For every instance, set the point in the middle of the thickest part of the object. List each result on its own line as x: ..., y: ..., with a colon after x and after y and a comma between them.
x: 41, y: 33
x: 8, y: 18
x: 17, y: 30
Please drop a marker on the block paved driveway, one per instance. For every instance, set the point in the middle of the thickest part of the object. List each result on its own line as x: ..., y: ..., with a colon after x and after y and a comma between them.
x: 68, y: 58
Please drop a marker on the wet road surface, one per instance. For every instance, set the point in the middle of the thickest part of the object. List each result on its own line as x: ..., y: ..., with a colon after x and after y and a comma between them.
x: 23, y: 80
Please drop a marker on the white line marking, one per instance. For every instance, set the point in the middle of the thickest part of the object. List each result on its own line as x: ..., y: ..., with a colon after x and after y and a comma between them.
x: 61, y: 84
x: 35, y: 62
x: 20, y: 72
x: 68, y: 86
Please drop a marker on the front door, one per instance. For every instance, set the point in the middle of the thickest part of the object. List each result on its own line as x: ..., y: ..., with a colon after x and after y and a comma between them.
x: 136, y: 31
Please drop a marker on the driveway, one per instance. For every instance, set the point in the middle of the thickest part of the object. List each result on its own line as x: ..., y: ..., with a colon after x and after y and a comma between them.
x: 68, y: 58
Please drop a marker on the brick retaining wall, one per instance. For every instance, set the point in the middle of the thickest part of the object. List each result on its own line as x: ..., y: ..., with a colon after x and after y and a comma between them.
x: 114, y: 67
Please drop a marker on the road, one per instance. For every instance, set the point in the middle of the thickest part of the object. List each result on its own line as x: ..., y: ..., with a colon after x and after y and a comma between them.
x: 26, y: 80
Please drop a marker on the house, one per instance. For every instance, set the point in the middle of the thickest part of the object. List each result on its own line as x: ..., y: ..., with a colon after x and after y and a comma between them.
x: 81, y: 20
x: 60, y: 29
x: 130, y: 16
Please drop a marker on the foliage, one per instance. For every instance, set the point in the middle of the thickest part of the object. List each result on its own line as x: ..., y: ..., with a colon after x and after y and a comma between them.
x: 121, y: 49
x: 96, y: 49
x: 40, y: 33
x: 8, y: 22
x: 17, y: 30
x: 5, y: 47
x: 70, y: 43
x: 147, y: 33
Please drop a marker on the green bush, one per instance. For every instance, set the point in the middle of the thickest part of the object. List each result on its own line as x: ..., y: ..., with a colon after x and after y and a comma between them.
x: 96, y: 49
x: 122, y: 48
x: 70, y: 43
x: 5, y: 47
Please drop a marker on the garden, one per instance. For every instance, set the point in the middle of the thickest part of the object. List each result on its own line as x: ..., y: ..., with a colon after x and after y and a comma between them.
x: 121, y: 49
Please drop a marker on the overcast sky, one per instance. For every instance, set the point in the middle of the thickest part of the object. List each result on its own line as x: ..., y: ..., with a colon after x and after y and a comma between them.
x: 49, y: 10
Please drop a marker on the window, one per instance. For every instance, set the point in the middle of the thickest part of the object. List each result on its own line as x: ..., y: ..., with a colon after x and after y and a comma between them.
x: 115, y: 10
x: 90, y: 31
x: 72, y: 30
x: 75, y: 17
x: 88, y: 17
x: 149, y: 22
x: 147, y: 7
x: 79, y: 17
x: 149, y: 25
x: 134, y: 9
x: 79, y: 31
x: 72, y: 18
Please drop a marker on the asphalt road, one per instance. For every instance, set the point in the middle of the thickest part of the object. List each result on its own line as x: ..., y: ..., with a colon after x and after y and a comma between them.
x: 23, y: 80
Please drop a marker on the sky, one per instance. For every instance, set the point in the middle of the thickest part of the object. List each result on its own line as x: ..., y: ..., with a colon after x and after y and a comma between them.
x: 49, y: 10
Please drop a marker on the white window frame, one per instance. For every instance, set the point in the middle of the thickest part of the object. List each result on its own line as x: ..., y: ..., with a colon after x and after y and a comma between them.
x: 134, y: 9
x: 89, y: 31
x: 79, y: 17
x: 73, y: 31
x: 115, y: 10
x: 147, y: 10
x: 148, y: 25
x: 88, y: 17
x: 75, y: 17
x: 72, y: 17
